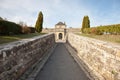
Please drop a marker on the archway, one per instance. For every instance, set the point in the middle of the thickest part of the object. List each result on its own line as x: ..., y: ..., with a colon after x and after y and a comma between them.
x: 60, y: 35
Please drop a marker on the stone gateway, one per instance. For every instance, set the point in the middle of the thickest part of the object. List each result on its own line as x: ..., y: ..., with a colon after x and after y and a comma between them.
x: 60, y: 31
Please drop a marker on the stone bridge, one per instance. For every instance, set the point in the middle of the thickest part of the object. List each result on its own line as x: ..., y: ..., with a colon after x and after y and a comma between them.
x: 42, y: 58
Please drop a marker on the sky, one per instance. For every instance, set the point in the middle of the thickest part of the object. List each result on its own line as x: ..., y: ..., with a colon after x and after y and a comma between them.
x: 100, y: 12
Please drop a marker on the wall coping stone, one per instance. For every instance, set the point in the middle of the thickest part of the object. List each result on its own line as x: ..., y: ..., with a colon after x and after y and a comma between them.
x: 20, y: 42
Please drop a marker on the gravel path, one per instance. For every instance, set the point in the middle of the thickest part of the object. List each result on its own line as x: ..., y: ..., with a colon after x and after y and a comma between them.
x: 61, y: 66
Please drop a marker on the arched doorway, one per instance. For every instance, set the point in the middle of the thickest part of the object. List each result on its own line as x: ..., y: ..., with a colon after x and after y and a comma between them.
x: 60, y: 35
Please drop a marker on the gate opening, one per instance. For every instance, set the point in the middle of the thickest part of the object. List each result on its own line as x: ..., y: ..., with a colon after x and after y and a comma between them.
x: 60, y: 35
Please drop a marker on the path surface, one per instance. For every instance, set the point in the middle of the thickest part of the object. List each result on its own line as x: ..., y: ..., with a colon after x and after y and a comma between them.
x: 61, y: 66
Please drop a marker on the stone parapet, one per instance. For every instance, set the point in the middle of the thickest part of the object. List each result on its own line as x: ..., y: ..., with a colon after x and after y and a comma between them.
x: 17, y: 57
x: 102, y: 58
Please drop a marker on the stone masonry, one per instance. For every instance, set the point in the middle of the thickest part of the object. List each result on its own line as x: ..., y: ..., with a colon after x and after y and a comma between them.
x: 17, y: 57
x: 102, y: 58
x: 60, y: 31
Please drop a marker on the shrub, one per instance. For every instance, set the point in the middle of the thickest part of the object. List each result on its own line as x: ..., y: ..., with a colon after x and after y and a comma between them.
x: 86, y: 30
x: 7, y: 28
x: 25, y: 30
x: 95, y: 31
x: 32, y: 29
x: 108, y: 29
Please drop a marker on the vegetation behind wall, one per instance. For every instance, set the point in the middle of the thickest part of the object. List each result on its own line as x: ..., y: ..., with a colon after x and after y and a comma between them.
x: 107, y: 29
x: 11, y: 28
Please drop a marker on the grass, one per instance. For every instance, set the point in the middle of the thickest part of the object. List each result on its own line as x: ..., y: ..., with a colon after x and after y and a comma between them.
x: 109, y: 38
x: 7, y: 39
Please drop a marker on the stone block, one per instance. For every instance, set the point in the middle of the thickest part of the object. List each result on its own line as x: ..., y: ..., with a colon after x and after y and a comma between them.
x: 98, y: 55
x: 17, y: 57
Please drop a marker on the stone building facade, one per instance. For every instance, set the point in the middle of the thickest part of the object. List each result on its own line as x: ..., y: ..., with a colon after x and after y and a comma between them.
x: 60, y: 31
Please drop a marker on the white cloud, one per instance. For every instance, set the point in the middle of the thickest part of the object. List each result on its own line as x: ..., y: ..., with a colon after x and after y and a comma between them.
x: 53, y: 10
x: 71, y: 12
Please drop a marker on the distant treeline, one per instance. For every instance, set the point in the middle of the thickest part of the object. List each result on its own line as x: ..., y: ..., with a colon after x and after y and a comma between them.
x: 11, y: 28
x: 107, y: 29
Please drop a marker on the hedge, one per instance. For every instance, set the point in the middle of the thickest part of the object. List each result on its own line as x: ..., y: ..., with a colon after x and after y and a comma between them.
x: 8, y: 28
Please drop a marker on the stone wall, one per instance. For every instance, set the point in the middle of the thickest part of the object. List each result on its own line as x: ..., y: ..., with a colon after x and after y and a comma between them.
x: 102, y: 58
x: 52, y: 30
x: 17, y: 57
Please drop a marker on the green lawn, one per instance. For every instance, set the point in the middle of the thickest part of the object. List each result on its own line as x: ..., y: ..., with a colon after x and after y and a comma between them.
x: 109, y: 38
x: 7, y: 39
